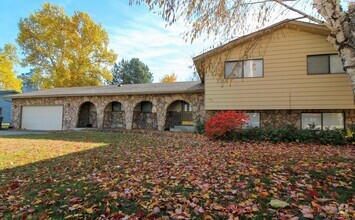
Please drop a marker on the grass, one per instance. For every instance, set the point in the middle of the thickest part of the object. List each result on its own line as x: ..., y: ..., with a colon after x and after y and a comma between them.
x: 155, y: 174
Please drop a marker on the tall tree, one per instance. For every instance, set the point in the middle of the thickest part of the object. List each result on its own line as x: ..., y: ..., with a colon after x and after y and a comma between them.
x: 228, y: 17
x: 65, y: 51
x: 130, y: 72
x: 168, y: 78
x: 28, y: 81
x: 8, y: 59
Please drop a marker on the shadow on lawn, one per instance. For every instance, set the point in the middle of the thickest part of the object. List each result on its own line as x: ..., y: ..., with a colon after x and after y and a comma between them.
x: 77, y: 182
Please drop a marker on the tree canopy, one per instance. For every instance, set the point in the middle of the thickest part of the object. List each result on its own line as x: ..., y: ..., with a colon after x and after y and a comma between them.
x: 8, y: 59
x: 130, y: 72
x: 230, y: 18
x: 168, y: 78
x: 65, y: 51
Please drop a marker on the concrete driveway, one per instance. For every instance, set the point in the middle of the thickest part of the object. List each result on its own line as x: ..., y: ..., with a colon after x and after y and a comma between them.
x: 19, y: 132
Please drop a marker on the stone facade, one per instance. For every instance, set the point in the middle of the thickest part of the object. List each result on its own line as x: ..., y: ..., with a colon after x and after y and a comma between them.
x: 281, y: 118
x: 142, y: 120
x: 173, y: 118
x: 71, y: 106
x: 114, y: 119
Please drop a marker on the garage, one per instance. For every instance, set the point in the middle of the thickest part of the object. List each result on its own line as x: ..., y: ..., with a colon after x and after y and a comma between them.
x: 42, y: 117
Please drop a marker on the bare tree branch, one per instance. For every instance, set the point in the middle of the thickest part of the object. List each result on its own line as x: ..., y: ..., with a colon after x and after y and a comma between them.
x: 301, y: 13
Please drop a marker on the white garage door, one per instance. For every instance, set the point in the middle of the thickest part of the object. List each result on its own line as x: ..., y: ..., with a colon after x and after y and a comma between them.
x: 42, y: 117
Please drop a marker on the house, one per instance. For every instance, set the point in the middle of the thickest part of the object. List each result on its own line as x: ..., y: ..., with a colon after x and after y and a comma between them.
x: 143, y: 106
x: 284, y: 74
x: 5, y: 105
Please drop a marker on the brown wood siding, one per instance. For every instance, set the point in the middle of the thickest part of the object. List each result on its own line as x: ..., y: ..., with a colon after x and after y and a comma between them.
x: 285, y: 84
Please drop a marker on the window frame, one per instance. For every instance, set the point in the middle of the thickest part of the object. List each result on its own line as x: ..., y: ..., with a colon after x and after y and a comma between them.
x: 322, y: 118
x: 328, y: 55
x: 243, y: 77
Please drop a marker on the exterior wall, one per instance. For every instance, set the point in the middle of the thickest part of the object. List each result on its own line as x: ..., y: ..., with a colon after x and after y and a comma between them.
x: 173, y: 118
x: 114, y: 119
x: 285, y: 84
x: 142, y: 120
x: 281, y: 118
x: 71, y: 107
x: 5, y: 105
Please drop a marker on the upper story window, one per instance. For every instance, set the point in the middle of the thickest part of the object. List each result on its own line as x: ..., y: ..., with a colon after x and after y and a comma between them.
x: 324, y: 64
x: 244, y: 69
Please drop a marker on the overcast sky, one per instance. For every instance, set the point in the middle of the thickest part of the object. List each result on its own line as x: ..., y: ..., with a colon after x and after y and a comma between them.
x: 134, y: 31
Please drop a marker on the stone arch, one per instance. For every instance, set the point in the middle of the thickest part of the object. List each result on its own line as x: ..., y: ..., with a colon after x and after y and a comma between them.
x: 144, y: 115
x: 114, y: 115
x: 178, y: 112
x: 87, y: 115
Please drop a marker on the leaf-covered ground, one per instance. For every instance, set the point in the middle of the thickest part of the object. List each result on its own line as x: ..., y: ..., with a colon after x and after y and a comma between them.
x: 97, y: 175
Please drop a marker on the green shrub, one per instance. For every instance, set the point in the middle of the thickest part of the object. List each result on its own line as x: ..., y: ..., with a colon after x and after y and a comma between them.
x: 292, y: 134
x: 333, y: 137
x: 306, y: 136
x: 200, y: 125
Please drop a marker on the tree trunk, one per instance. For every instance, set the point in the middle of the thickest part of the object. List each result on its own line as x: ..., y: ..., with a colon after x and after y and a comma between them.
x: 344, y: 42
x: 342, y: 26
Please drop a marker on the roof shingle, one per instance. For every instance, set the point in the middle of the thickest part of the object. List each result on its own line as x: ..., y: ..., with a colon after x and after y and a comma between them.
x: 127, y: 89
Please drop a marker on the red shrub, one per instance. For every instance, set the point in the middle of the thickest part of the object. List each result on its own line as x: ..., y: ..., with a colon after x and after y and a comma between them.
x: 223, y: 123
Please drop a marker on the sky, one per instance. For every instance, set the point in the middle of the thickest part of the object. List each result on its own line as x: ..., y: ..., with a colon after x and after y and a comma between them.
x: 134, y: 31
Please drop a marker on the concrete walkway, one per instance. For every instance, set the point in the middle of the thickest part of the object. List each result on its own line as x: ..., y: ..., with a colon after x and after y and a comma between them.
x: 19, y: 132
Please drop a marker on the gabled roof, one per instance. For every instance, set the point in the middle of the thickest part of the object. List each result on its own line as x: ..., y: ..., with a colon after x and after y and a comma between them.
x: 289, y: 24
x: 127, y: 89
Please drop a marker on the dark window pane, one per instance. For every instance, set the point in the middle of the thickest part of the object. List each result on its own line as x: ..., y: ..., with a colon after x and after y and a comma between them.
x: 116, y: 107
x: 318, y: 64
x: 147, y: 107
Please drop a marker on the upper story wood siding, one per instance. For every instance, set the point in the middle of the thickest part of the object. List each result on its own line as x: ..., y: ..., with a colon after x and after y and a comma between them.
x: 285, y: 83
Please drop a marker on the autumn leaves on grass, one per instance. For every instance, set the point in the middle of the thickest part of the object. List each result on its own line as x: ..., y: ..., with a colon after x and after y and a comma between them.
x: 176, y: 176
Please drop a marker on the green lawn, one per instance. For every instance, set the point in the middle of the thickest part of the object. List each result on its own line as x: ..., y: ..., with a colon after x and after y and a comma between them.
x: 161, y: 174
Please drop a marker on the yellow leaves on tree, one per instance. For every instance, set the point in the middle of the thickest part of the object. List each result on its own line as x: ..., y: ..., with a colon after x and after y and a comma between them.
x: 168, y: 78
x: 65, y: 51
x: 8, y: 59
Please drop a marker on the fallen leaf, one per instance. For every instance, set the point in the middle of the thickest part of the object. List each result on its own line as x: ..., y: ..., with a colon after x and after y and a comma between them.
x: 278, y: 203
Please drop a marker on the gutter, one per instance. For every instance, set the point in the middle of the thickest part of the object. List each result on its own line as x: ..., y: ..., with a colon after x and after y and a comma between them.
x: 103, y: 94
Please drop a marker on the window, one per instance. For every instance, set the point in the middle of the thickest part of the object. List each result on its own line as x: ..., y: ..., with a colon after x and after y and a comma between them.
x: 324, y: 64
x: 311, y: 121
x: 187, y: 107
x: 146, y: 107
x: 253, y: 121
x: 117, y: 107
x: 333, y: 121
x: 318, y: 121
x: 244, y: 69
